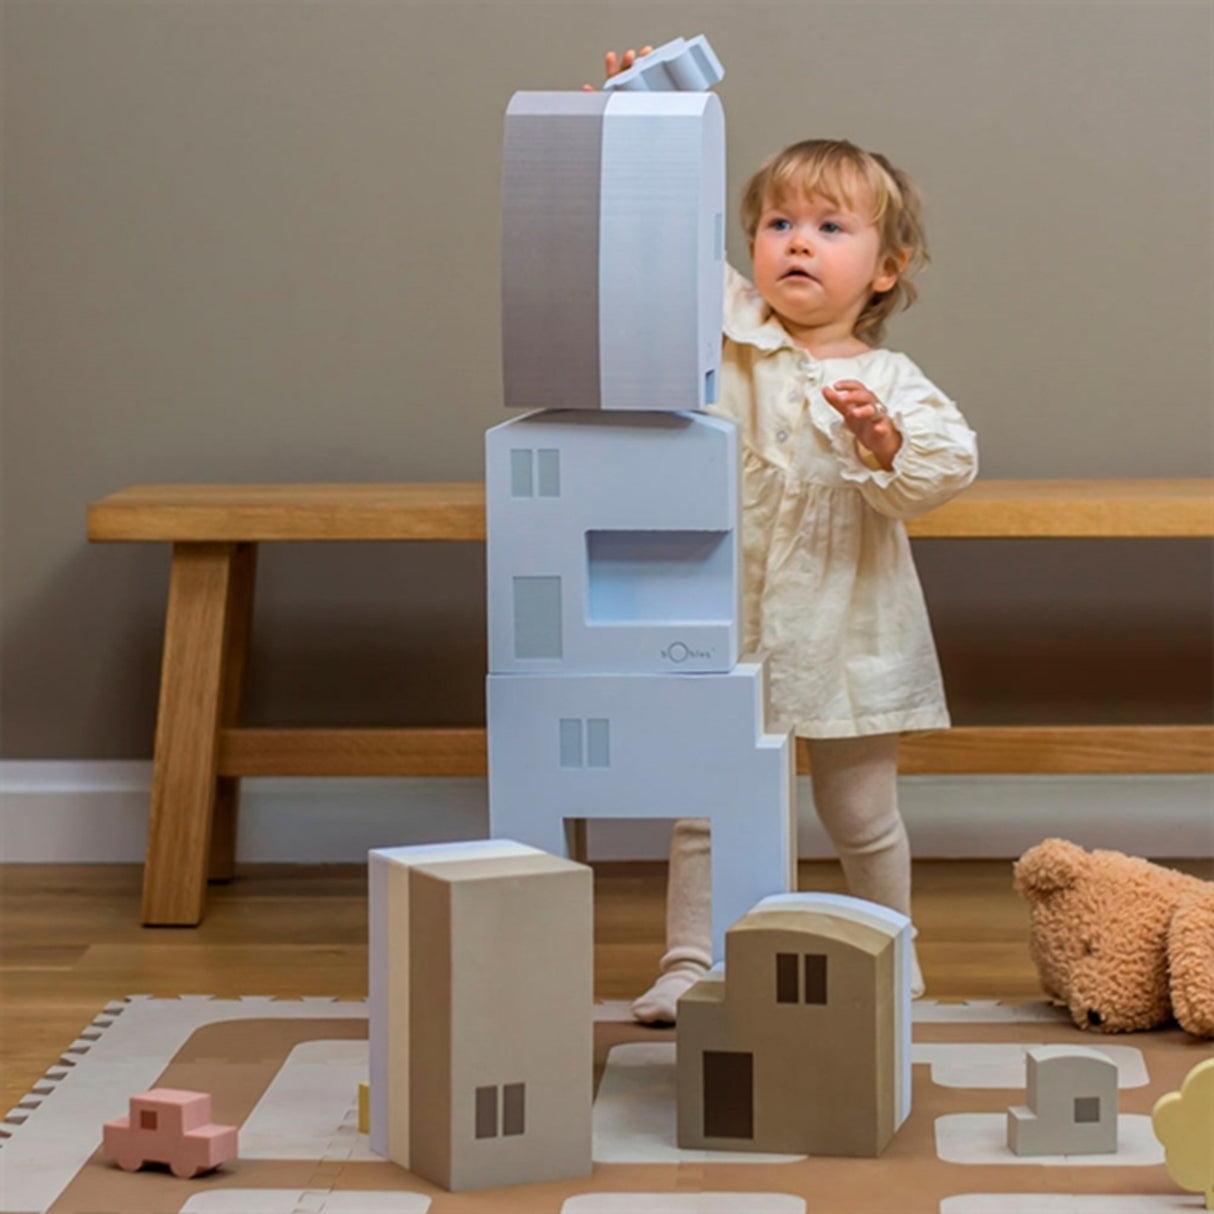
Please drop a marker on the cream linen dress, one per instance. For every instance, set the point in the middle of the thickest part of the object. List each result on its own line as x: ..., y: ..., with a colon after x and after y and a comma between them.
x: 831, y: 594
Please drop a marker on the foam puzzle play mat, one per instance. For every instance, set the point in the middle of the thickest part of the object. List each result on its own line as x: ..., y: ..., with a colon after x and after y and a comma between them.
x: 287, y: 1074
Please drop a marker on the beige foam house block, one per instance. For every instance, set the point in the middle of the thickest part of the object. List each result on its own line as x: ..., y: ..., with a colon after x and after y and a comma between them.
x: 1072, y: 1103
x: 801, y: 1044
x: 481, y: 1005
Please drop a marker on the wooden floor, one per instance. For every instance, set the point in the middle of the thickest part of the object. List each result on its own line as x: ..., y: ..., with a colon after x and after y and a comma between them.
x: 70, y: 941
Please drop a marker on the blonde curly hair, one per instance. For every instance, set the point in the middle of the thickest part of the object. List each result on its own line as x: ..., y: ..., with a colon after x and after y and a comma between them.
x: 836, y: 170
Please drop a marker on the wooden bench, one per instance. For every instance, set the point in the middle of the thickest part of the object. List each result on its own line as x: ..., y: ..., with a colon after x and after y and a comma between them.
x: 202, y: 751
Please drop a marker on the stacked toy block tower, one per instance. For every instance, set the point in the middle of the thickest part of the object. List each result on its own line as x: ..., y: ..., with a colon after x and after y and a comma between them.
x: 617, y: 688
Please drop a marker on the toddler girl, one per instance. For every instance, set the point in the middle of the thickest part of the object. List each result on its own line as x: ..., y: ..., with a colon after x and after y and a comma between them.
x: 841, y: 441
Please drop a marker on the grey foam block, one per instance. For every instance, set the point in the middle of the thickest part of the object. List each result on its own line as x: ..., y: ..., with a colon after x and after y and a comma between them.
x: 612, y: 250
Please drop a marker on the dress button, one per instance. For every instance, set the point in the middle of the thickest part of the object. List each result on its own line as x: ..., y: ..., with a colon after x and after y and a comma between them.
x: 781, y: 436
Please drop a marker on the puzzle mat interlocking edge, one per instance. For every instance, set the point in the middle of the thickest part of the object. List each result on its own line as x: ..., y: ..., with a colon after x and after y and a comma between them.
x: 287, y: 1071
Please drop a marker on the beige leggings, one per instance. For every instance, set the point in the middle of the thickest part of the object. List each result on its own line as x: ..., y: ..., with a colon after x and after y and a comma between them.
x: 855, y: 783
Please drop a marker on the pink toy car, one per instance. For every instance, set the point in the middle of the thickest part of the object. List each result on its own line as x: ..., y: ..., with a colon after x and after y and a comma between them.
x: 169, y: 1126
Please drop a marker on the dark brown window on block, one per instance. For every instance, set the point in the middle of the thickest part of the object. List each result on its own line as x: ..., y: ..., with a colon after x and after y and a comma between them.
x: 147, y: 1119
x: 786, y: 978
x: 513, y: 1100
x: 815, y: 978
x: 1087, y: 1108
x: 728, y: 1094
x: 486, y: 1112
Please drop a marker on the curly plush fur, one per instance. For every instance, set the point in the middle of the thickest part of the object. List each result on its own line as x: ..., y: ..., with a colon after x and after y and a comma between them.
x: 1124, y: 943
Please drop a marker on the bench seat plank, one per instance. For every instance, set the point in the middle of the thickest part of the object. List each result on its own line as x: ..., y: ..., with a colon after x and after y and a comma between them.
x: 963, y: 750
x: 456, y: 511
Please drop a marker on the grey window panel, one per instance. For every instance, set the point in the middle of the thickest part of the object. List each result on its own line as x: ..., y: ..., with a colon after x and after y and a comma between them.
x: 598, y: 742
x: 549, y: 472
x: 537, y: 617
x: 571, y: 742
x: 520, y: 473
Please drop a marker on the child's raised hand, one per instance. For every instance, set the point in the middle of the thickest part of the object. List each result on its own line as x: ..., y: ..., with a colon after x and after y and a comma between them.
x: 866, y: 418
x: 615, y: 64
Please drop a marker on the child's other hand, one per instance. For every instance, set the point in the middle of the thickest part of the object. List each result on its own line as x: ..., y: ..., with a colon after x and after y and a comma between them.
x: 615, y: 64
x: 866, y: 418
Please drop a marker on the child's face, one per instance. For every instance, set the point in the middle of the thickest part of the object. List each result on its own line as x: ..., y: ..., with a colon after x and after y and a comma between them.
x: 817, y: 263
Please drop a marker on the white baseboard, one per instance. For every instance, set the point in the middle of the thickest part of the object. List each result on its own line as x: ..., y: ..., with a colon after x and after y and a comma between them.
x: 96, y: 812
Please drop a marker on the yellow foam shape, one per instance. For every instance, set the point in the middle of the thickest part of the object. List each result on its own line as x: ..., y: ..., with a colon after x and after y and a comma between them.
x: 1184, y: 1123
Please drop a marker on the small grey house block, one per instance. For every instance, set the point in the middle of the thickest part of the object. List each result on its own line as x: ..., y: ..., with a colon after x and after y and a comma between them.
x: 1072, y: 1103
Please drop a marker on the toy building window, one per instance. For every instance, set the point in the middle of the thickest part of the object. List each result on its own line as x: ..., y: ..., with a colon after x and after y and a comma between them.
x: 1087, y: 1109
x: 788, y: 989
x: 585, y: 743
x: 786, y: 978
x: 535, y: 473
x: 815, y: 978
x: 147, y: 1119
x: 486, y: 1112
x: 513, y: 1110
x: 514, y: 1099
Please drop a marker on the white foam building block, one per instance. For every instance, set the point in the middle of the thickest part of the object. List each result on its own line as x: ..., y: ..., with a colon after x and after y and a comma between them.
x: 649, y: 746
x: 613, y: 543
x: 680, y: 64
x: 613, y: 250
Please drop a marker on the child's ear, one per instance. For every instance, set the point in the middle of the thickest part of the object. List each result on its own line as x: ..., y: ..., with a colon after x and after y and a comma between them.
x: 892, y: 266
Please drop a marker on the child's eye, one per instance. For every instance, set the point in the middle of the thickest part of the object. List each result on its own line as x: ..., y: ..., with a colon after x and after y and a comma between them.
x: 779, y: 225
x: 830, y: 227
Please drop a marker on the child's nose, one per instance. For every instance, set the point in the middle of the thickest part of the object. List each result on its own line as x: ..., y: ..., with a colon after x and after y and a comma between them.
x: 799, y: 240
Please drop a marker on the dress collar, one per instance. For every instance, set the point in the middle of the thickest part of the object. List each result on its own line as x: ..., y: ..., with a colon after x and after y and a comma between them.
x: 748, y: 319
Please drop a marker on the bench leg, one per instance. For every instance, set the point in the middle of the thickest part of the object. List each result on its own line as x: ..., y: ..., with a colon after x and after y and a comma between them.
x: 235, y: 649
x: 204, y: 588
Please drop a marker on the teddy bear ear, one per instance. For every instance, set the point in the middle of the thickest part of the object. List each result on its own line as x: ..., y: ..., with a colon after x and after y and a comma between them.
x: 1052, y: 865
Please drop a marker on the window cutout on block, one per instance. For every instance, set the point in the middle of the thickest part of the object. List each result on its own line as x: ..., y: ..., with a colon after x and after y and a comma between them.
x: 571, y: 742
x: 598, y: 742
x: 521, y: 484
x: 537, y: 617
x: 1087, y: 1109
x: 486, y: 1112
x: 787, y: 965
x: 641, y: 576
x: 548, y: 472
x: 514, y: 1097
x: 815, y: 978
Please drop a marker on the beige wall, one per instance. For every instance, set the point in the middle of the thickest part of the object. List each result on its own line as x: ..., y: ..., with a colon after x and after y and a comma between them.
x: 256, y: 240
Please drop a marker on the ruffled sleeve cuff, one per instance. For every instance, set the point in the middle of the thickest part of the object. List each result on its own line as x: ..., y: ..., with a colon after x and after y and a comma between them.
x: 937, y: 459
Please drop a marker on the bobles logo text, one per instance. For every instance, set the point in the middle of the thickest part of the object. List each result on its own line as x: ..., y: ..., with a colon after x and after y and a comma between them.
x: 677, y: 652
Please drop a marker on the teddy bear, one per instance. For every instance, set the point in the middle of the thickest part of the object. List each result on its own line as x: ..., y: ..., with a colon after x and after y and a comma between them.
x: 1124, y: 943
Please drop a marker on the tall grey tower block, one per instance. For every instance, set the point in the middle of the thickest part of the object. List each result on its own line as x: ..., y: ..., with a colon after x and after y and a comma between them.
x: 613, y: 250
x: 616, y: 685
